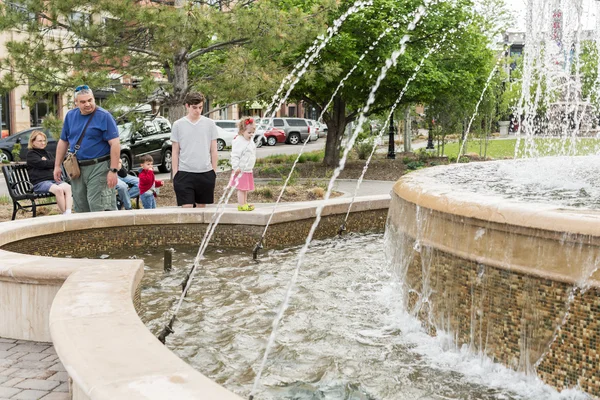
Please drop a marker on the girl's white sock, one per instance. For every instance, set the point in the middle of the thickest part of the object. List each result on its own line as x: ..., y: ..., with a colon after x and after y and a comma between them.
x: 67, y: 212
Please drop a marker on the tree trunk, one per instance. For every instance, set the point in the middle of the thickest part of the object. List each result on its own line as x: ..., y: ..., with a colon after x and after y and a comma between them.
x: 336, y: 127
x: 180, y: 86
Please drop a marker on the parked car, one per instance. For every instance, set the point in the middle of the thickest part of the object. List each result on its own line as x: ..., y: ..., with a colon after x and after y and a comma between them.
x: 22, y: 137
x: 296, y: 129
x: 227, y: 131
x: 322, y: 129
x: 314, y: 129
x: 274, y: 136
x: 153, y: 138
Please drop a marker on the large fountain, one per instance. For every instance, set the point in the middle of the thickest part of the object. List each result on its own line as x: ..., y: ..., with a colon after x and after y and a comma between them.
x: 503, y: 256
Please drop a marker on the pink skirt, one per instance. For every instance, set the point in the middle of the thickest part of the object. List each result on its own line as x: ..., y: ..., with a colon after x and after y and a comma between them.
x: 246, y: 181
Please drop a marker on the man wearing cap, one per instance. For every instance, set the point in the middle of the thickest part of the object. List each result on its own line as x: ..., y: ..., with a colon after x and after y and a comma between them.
x: 98, y: 153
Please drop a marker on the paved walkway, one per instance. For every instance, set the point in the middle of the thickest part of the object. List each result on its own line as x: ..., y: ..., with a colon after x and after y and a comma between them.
x: 31, y: 371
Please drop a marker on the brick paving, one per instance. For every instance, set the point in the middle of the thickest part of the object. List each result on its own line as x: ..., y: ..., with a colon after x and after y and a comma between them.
x: 31, y: 371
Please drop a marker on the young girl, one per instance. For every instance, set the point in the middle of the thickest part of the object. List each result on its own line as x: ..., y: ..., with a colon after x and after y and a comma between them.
x: 40, y: 166
x: 243, y: 158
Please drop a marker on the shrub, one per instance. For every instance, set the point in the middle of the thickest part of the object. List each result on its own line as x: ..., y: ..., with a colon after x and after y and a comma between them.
x: 292, y: 191
x: 422, y: 155
x: 265, y: 192
x: 16, y: 152
x: 317, y: 192
x: 223, y: 163
x: 364, y: 148
x: 415, y: 165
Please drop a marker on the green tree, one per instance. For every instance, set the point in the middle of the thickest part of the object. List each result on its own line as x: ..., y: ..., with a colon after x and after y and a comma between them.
x: 225, y: 49
x: 460, y: 66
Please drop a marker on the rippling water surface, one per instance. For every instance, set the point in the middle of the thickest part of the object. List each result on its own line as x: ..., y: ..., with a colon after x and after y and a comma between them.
x: 564, y: 181
x: 344, y: 335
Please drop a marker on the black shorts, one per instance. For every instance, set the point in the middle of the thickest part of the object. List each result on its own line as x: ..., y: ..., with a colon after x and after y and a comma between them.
x: 192, y: 187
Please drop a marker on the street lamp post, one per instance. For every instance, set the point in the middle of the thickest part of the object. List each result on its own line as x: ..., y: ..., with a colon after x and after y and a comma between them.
x: 430, y: 145
x: 391, y: 146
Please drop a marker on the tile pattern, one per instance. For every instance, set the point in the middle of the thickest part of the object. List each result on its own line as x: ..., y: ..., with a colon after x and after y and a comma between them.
x: 31, y: 370
x: 511, y: 317
x: 94, y: 241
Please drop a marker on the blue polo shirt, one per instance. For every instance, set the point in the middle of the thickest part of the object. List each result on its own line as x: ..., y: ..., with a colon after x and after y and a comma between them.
x: 95, y: 142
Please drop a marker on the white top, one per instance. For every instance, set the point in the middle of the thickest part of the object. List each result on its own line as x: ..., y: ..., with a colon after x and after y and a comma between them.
x: 243, y: 154
x: 194, y: 140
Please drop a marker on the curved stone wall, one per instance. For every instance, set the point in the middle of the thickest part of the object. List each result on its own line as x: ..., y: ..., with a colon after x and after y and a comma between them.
x: 516, y: 281
x: 86, y: 306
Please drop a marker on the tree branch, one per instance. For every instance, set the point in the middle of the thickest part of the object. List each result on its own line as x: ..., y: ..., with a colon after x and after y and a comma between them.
x: 199, y: 52
x: 144, y: 51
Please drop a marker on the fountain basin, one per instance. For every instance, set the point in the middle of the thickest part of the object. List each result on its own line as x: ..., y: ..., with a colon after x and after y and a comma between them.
x: 515, y: 279
x: 87, y: 307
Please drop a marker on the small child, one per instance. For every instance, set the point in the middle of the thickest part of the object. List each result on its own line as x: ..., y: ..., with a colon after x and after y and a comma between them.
x: 243, y: 158
x: 147, y: 182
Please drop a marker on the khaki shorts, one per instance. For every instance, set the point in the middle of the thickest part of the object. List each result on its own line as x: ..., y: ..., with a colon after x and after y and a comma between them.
x: 91, y: 191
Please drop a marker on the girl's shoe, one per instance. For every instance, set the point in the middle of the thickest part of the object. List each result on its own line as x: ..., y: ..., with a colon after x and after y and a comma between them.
x: 245, y: 207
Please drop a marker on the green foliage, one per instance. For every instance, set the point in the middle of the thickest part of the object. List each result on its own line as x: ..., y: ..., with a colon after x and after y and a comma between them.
x: 265, y: 192
x: 224, y: 163
x: 415, y: 165
x: 16, y: 152
x: 249, y: 47
x: 54, y: 125
x: 5, y: 200
x: 363, y: 148
x: 589, y: 71
x: 422, y: 155
x: 500, y: 149
x: 313, y: 156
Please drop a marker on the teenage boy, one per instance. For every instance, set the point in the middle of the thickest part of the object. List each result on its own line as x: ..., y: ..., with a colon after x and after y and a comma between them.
x: 195, y: 156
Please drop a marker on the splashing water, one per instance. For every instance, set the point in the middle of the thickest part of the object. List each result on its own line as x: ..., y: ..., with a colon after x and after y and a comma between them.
x: 389, y: 63
x: 394, y: 106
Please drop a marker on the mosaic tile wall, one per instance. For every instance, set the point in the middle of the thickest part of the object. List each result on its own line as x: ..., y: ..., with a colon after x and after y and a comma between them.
x: 510, y: 316
x: 95, y: 241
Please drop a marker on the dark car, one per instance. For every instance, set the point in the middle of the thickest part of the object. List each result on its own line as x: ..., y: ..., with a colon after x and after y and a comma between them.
x: 7, y: 144
x: 153, y: 138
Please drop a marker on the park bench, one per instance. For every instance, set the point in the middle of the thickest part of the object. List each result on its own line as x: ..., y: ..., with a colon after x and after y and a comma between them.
x: 20, y: 189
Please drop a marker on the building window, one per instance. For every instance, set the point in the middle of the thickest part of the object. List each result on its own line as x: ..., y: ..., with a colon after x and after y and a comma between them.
x: 291, y: 111
x: 4, y: 115
x: 46, y: 106
x: 81, y: 18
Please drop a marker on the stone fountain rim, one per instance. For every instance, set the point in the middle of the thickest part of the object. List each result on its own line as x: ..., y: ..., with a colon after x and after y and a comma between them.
x: 96, y: 298
x: 423, y: 189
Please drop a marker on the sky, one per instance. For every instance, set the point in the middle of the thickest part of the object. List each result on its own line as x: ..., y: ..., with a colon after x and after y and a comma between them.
x: 520, y: 7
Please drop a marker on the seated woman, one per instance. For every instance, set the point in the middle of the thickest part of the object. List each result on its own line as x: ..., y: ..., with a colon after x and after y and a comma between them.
x: 40, y: 166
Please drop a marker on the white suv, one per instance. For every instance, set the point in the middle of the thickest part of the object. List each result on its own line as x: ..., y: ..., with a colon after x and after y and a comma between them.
x: 296, y: 129
x: 227, y: 131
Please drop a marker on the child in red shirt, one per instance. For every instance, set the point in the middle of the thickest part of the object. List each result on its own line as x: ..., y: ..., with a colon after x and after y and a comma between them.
x: 147, y: 183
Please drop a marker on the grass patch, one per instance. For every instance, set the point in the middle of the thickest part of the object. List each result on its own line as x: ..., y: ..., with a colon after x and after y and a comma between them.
x: 313, y: 156
x: 541, y: 147
x: 5, y: 200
